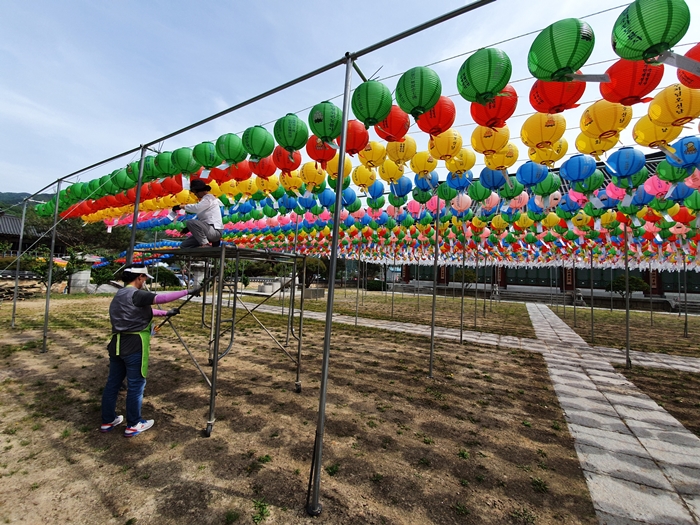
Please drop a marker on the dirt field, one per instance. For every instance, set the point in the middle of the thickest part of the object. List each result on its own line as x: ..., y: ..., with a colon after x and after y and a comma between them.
x: 482, y: 442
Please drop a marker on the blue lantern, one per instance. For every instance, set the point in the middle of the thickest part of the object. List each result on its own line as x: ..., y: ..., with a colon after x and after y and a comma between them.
x: 531, y: 173
x: 578, y: 168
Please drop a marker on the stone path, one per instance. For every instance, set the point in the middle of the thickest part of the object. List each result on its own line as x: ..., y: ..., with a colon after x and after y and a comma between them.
x: 641, y: 465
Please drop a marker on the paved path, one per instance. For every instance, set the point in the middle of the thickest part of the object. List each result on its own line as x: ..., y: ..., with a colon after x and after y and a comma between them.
x: 641, y: 465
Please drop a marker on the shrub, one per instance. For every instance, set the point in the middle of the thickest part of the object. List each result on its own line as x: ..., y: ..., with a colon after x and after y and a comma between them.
x: 376, y: 286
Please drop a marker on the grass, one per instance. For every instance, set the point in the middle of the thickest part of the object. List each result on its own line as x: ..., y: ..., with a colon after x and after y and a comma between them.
x: 262, y: 511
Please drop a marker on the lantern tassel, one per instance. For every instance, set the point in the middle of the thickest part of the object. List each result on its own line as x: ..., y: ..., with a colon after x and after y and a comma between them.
x: 597, y: 203
x: 670, y: 190
x: 680, y: 62
x: 671, y: 152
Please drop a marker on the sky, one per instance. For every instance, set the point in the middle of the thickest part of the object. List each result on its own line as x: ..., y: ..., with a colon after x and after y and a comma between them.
x: 82, y: 81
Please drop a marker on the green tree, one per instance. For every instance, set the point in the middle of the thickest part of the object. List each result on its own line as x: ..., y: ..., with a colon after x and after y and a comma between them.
x: 39, y: 264
x: 618, y: 285
x: 314, y: 267
x: 469, y: 277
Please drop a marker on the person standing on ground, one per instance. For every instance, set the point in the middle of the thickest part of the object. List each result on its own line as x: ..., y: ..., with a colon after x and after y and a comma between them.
x: 207, y: 227
x: 131, y: 314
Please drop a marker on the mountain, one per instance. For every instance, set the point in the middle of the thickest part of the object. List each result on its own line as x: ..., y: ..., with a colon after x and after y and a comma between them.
x: 12, y: 202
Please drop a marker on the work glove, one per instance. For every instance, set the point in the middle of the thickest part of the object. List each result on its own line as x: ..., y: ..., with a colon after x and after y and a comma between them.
x: 172, y: 311
x: 177, y: 208
x: 195, y: 291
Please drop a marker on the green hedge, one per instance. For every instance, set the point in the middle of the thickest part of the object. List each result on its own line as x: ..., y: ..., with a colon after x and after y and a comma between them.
x: 376, y: 286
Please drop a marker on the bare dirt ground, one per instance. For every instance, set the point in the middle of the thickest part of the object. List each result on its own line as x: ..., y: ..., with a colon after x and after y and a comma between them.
x: 483, y: 441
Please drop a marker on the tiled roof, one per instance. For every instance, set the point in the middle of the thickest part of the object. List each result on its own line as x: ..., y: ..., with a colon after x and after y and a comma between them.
x: 10, y: 225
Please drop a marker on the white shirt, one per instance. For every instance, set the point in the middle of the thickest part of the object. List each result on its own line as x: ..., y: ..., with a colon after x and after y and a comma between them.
x: 208, y: 210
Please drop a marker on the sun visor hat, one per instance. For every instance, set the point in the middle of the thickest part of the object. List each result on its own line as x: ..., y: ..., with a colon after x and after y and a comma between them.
x: 140, y: 270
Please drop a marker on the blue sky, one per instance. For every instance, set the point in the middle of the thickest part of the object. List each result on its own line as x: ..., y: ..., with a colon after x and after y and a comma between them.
x: 83, y: 81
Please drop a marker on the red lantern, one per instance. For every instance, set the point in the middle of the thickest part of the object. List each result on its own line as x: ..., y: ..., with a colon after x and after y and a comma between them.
x: 630, y: 81
x: 131, y: 195
x: 219, y: 175
x: 156, y: 189
x: 319, y: 151
x: 495, y: 113
x: 356, y: 138
x: 172, y: 185
x: 395, y: 126
x: 264, y: 168
x: 439, y: 118
x: 240, y: 171
x: 555, y: 97
x: 688, y: 79
x: 284, y: 160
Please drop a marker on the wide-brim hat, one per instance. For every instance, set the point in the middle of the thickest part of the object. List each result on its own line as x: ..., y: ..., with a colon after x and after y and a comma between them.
x: 141, y: 270
x: 198, y: 185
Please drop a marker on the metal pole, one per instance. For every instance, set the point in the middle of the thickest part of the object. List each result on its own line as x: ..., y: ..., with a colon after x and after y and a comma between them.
x: 573, y: 277
x: 563, y: 277
x: 592, y: 321
x: 393, y: 286
x: 435, y: 279
x: 418, y: 285
x: 216, y: 326
x: 134, y: 222
x: 685, y: 293
x: 485, y: 265
x: 651, y: 298
x: 313, y: 507
x: 357, y: 294
x: 476, y: 286
x: 19, y: 256
x: 679, y: 292
x: 550, y: 287
x: 628, y: 362
x: 461, y: 306
x: 48, y: 284
x: 611, y: 289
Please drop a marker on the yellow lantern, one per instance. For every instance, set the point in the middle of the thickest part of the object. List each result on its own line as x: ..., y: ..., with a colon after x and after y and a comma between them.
x: 524, y: 221
x: 675, y: 105
x: 646, y: 133
x: 332, y: 166
x: 607, y: 218
x: 215, y: 190
x: 445, y: 145
x: 645, y: 209
x: 594, y: 146
x: 673, y: 210
x: 183, y: 197
x: 389, y: 171
x: 373, y: 155
x: 423, y: 163
x: 363, y: 177
x: 462, y: 162
x: 248, y: 187
x: 401, y: 152
x: 541, y: 130
x: 498, y: 223
x: 311, y: 175
x: 478, y: 224
x: 580, y: 219
x: 488, y: 141
x: 504, y: 159
x: 291, y: 181
x: 550, y: 220
x: 603, y: 119
x: 548, y: 156
x: 268, y: 185
x: 228, y: 187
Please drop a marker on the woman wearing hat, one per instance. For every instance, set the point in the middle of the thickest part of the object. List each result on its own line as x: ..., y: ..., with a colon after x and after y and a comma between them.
x: 206, y: 228
x: 131, y: 314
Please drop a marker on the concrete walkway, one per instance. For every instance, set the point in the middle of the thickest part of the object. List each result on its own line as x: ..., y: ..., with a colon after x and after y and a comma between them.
x: 641, y: 465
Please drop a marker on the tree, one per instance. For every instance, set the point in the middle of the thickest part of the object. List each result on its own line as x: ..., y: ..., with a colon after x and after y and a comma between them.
x: 39, y: 264
x: 314, y: 267
x: 76, y: 263
x: 469, y: 277
x: 618, y: 285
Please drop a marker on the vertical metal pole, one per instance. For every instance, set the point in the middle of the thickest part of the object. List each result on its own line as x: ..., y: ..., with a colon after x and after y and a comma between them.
x: 435, y: 279
x: 301, y: 329
x: 393, y: 286
x: 628, y: 361
x: 418, y: 285
x: 461, y: 306
x: 573, y: 277
x: 48, y: 284
x: 216, y: 324
x: 550, y: 286
x: 679, y: 292
x: 135, y: 220
x: 19, y: 257
x: 651, y: 298
x: 485, y: 266
x: 357, y: 293
x: 592, y: 321
x: 313, y: 506
x: 611, y: 289
x: 563, y: 278
x: 476, y: 286
x: 685, y: 293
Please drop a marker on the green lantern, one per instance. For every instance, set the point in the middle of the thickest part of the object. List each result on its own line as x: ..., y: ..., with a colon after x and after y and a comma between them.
x: 355, y: 206
x: 549, y: 185
x: 483, y: 75
x: 560, y: 50
x: 590, y: 184
x: 669, y: 173
x: 326, y: 121
x: 121, y: 179
x: 164, y: 164
x: 332, y: 182
x: 230, y: 148
x: 184, y: 160
x: 397, y: 201
x: 376, y: 204
x: 446, y: 193
x: 634, y: 181
x: 692, y: 202
x: 291, y: 133
x: 258, y: 142
x: 478, y: 192
x: 512, y: 191
x: 418, y: 90
x: 647, y: 28
x: 421, y: 196
x: 206, y: 155
x: 371, y: 102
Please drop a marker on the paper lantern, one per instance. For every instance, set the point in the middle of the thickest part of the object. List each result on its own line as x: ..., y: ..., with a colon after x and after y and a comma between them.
x: 675, y: 105
x: 290, y: 132
x: 541, y: 130
x: 164, y: 164
x: 320, y: 151
x: 560, y: 50
x: 531, y: 173
x: 462, y: 162
x: 401, y: 152
x: 291, y: 181
x: 264, y: 168
x: 418, y: 90
x: 646, y: 133
x: 577, y: 168
x: 478, y: 192
x: 687, y: 153
x: 503, y: 159
x: 184, y: 161
x: 230, y: 148
x: 626, y: 161
x: 311, y: 175
x: 631, y: 81
x: 373, y: 155
x: 356, y: 137
x: 240, y: 171
x: 488, y: 141
x: 548, y: 156
x: 206, y: 155
x: 483, y: 75
x: 688, y: 79
x: 669, y: 173
x: 267, y: 184
x: 390, y: 172
x: 555, y: 97
x: 460, y: 181
x: 445, y: 145
x: 325, y: 121
x: 333, y: 167
x: 363, y: 177
x: 647, y: 28
x: 423, y: 163
x: 258, y: 142
x: 604, y: 119
x: 395, y: 126
x: 495, y: 113
x: 371, y: 102
x: 595, y: 146
x: 284, y: 160
x: 439, y: 118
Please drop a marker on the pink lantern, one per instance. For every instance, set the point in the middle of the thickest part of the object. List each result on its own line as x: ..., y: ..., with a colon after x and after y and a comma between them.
x: 375, y: 214
x: 344, y: 214
x: 325, y: 215
x: 578, y: 198
x: 491, y: 201
x: 461, y: 202
x: 693, y: 181
x: 413, y: 207
x: 284, y: 220
x: 615, y: 192
x: 309, y: 216
x: 650, y: 227
x: 656, y: 187
x: 554, y: 199
x: 358, y: 214
x: 432, y: 204
x: 679, y: 229
x: 485, y: 233
x: 519, y: 201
